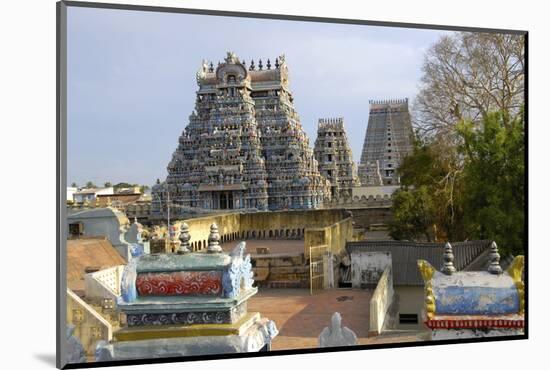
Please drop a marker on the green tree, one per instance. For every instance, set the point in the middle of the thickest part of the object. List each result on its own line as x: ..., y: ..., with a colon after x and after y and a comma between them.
x: 107, y: 184
x: 90, y: 184
x: 122, y: 185
x: 74, y: 185
x: 413, y: 214
x: 474, y: 190
x: 435, y: 166
x: 494, y: 180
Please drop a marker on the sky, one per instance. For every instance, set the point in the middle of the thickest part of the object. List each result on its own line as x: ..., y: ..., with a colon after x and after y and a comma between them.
x: 131, y: 80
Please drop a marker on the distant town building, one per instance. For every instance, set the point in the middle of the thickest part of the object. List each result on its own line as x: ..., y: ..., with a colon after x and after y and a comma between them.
x: 70, y: 193
x: 335, y: 158
x: 108, y: 223
x: 387, y: 141
x: 139, y: 209
x: 244, y: 147
x: 90, y: 194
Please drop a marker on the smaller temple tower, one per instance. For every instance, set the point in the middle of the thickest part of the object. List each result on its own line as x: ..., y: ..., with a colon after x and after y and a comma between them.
x: 387, y: 141
x: 333, y: 153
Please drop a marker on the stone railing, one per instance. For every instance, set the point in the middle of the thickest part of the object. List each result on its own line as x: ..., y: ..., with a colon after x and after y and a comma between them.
x: 103, y: 284
x: 380, y: 302
x: 90, y: 326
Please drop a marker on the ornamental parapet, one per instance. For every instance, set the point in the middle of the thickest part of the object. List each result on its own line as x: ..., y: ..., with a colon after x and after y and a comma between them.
x: 473, y: 303
x: 179, y: 300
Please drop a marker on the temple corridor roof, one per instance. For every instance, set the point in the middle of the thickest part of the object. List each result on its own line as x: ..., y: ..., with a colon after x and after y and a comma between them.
x: 405, y: 254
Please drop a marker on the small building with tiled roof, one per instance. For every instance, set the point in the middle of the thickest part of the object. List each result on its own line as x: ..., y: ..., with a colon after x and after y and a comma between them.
x: 89, y: 255
x: 370, y: 258
x: 90, y: 194
x: 404, y: 255
x: 101, y: 222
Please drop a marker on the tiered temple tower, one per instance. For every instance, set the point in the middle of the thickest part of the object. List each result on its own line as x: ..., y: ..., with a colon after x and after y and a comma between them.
x: 387, y: 141
x: 244, y: 147
x: 335, y: 158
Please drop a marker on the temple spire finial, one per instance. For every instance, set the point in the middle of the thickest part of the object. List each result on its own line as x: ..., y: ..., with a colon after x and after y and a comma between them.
x: 184, y: 239
x: 494, y: 257
x: 448, y: 258
x: 260, y: 65
x: 214, y: 240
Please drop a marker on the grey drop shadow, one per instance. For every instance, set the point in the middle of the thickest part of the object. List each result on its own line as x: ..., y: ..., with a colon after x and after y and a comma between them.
x: 47, y: 358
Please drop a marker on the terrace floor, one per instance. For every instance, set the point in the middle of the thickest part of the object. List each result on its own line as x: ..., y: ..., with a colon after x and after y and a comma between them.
x: 300, y: 317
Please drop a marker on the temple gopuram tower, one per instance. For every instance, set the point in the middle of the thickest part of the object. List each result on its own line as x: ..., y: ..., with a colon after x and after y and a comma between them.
x: 244, y: 146
x: 387, y: 141
x: 335, y: 158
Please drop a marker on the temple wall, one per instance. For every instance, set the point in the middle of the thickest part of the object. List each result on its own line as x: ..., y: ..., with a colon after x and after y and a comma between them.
x: 229, y: 225
x: 90, y: 327
x: 365, y: 217
x: 335, y: 236
x: 268, y: 225
x: 410, y: 301
x: 368, y: 267
x: 275, y: 271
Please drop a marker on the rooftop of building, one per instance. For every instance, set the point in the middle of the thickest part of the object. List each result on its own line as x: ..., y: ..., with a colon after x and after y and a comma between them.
x: 405, y: 254
x: 262, y: 70
x: 91, y: 190
x: 100, y: 212
x: 331, y: 123
x: 388, y: 103
x: 88, y: 255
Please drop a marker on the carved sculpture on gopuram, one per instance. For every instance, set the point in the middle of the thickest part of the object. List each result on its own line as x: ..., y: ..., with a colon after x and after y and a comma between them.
x: 387, y: 141
x: 244, y: 147
x: 335, y: 158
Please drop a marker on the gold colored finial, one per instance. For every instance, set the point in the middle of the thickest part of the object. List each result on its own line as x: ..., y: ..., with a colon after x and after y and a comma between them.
x: 426, y: 270
x: 516, y: 271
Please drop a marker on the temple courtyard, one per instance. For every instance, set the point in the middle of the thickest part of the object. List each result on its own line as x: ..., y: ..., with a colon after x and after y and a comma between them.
x: 300, y: 317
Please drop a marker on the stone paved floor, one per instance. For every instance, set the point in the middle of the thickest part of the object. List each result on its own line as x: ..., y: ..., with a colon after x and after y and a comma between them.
x: 301, y: 317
